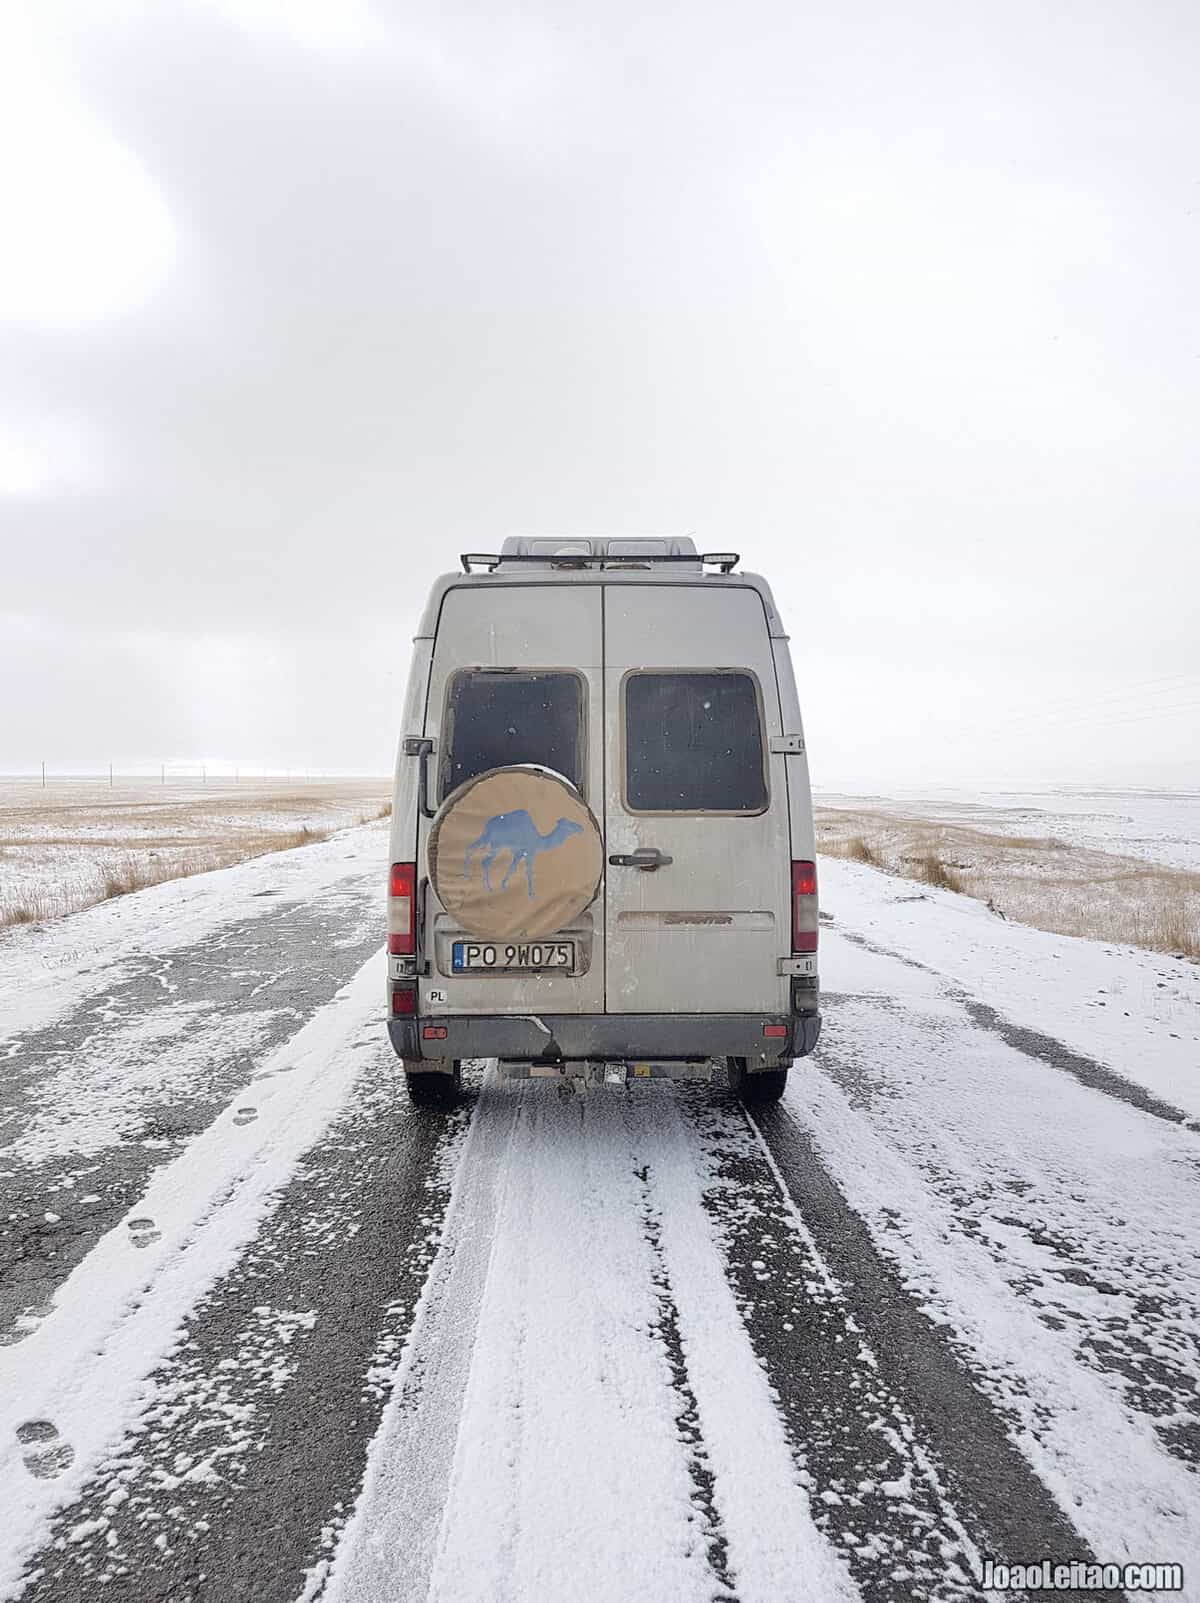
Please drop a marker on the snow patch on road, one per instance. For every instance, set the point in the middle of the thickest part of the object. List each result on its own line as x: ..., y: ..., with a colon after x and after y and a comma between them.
x: 1051, y: 1229
x: 84, y: 1368
x: 103, y: 1092
x: 764, y: 1508
x: 47, y: 970
x: 532, y: 1449
x: 1134, y: 1011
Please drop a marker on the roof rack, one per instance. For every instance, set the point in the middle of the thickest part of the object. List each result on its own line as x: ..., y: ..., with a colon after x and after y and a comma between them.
x: 726, y: 561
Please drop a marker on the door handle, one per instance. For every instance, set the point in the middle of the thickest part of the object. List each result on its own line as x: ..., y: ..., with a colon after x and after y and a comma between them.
x: 646, y: 858
x: 421, y: 746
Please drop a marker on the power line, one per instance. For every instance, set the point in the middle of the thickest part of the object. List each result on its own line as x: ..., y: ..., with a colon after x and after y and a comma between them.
x: 1068, y: 704
x: 1106, y: 720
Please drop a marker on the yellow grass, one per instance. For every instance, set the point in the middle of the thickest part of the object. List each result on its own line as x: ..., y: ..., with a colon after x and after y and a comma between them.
x: 76, y: 844
x: 1069, y: 890
x: 933, y: 871
x: 859, y: 851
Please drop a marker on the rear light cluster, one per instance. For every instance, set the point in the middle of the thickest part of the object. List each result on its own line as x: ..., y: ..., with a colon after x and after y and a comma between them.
x: 402, y: 910
x: 804, y: 907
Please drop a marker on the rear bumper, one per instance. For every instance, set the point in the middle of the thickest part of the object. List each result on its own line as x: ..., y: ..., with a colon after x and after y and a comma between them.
x: 603, y: 1036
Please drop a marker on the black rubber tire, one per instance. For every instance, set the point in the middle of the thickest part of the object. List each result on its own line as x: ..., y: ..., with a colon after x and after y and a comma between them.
x: 763, y: 1085
x: 434, y: 1090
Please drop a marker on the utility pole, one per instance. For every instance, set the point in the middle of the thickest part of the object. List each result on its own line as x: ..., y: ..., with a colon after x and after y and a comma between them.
x: 43, y: 776
x: 162, y: 774
x: 110, y: 782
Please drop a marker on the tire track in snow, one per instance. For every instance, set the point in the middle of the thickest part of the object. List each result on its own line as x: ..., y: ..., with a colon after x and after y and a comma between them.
x: 533, y: 1450
x: 92, y: 1106
x: 960, y: 1441
x: 876, y: 1492
x: 84, y: 1367
x: 1051, y: 1236
x: 388, y: 1546
x: 1086, y: 1070
x: 1095, y: 1075
x: 774, y: 1544
x: 687, y: 1419
x: 252, y: 1436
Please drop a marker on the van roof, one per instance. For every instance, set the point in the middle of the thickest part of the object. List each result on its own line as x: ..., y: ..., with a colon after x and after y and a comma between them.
x: 671, y: 560
x: 548, y: 550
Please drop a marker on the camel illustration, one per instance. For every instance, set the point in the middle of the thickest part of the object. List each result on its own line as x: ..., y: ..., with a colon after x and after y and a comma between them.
x: 518, y: 832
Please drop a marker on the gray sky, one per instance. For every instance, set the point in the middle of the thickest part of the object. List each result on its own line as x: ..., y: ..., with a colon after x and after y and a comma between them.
x: 300, y: 299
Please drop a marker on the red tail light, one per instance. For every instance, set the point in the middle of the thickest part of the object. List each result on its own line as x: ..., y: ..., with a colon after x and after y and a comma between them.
x: 404, y: 1001
x: 402, y: 910
x: 804, y: 907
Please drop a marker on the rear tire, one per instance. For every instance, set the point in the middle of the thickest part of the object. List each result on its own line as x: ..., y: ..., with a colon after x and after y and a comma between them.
x: 426, y: 1090
x: 761, y: 1085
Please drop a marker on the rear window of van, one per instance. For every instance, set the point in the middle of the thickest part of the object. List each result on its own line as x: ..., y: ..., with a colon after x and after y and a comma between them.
x: 693, y: 744
x: 495, y: 717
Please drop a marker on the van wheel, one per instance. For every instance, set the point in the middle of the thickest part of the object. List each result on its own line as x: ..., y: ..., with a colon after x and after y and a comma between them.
x: 764, y: 1085
x: 427, y: 1090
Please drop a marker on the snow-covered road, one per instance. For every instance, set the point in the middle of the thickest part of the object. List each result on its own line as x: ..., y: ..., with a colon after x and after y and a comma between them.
x: 268, y: 1333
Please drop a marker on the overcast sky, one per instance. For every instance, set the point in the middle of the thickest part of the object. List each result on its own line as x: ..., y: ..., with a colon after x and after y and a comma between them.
x: 298, y: 300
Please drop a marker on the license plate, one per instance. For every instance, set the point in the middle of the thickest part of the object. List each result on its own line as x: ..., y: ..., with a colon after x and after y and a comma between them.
x: 512, y: 957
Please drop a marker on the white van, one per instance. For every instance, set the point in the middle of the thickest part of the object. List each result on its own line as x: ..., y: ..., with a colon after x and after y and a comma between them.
x: 656, y: 682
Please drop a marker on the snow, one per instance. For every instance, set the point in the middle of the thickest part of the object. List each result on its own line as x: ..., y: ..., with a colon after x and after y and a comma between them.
x: 531, y: 1448
x: 1159, y: 826
x: 58, y: 842
x: 101, y: 1096
x: 1050, y: 1227
x: 118, y: 1313
x: 772, y: 1538
x: 1134, y: 1011
x: 47, y: 970
x: 580, y: 1302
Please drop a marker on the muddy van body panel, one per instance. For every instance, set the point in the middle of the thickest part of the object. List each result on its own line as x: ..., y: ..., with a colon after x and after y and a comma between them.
x: 603, y: 1037
x: 800, y: 813
x: 405, y: 801
x: 480, y: 630
x: 685, y: 741
x: 550, y: 580
x: 703, y: 933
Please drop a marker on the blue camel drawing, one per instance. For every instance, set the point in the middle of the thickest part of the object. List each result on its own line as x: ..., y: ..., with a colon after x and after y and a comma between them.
x: 523, y: 839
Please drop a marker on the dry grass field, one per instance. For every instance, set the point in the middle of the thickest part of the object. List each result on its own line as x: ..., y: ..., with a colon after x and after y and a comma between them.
x: 77, y: 842
x: 1043, y: 881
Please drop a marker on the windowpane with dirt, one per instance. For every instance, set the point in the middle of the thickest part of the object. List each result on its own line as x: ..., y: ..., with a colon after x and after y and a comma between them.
x: 495, y: 718
x: 693, y: 744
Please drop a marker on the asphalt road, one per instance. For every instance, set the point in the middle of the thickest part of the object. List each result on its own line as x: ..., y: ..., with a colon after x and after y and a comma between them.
x: 510, y: 1351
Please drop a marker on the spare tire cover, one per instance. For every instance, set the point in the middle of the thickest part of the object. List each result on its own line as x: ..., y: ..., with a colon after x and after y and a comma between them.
x: 515, y: 853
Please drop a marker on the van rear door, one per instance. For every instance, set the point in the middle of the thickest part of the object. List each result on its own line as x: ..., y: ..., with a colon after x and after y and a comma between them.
x: 692, y: 705
x: 515, y: 678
